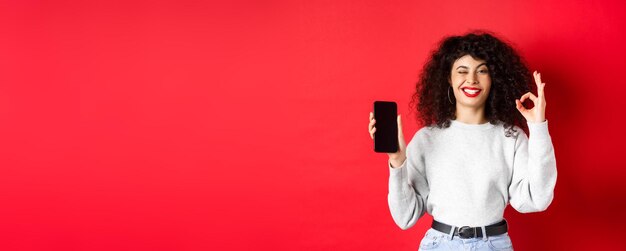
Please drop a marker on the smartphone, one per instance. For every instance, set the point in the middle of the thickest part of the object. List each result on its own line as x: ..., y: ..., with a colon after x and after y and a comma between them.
x: 386, y: 135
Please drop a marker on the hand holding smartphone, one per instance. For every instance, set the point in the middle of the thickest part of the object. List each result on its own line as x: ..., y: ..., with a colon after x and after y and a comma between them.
x: 384, y: 119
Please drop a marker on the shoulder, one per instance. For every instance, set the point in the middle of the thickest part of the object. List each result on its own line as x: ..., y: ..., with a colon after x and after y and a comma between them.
x: 425, y: 135
x: 515, y: 133
x: 428, y: 131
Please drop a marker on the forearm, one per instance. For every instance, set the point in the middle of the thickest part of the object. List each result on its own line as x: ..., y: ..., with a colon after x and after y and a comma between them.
x: 541, y: 163
x: 405, y: 205
x: 532, y: 189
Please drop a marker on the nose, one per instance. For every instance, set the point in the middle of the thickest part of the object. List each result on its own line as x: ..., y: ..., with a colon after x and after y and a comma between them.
x: 470, y: 79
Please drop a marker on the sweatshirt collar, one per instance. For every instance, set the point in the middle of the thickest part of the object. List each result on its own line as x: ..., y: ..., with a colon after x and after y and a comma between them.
x: 461, y: 125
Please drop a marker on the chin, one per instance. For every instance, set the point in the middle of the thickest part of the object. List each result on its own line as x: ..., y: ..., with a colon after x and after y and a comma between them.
x: 472, y: 103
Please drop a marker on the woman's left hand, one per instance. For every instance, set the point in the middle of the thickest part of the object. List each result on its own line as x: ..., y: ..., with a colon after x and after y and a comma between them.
x: 538, y: 113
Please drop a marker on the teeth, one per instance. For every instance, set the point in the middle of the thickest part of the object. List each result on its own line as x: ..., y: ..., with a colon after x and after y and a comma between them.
x: 471, y: 91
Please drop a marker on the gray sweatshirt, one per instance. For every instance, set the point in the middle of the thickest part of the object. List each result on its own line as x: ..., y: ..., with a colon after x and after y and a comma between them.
x: 466, y: 174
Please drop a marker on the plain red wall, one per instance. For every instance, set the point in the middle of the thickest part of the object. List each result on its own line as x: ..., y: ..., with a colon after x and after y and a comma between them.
x: 193, y: 125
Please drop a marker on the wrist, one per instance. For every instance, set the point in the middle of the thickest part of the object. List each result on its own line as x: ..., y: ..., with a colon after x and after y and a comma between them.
x: 397, y: 162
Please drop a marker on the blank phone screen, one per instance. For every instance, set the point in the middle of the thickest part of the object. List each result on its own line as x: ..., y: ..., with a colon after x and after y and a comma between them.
x: 386, y: 135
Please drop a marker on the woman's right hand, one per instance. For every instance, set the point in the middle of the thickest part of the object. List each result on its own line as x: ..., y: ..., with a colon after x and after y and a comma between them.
x: 398, y: 157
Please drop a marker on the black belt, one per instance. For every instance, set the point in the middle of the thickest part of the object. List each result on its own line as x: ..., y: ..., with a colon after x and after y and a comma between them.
x: 471, y: 232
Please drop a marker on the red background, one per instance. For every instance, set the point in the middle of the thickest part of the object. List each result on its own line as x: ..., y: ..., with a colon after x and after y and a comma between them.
x: 192, y: 125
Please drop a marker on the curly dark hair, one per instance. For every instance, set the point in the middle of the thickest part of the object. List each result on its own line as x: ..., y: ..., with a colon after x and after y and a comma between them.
x: 510, y: 79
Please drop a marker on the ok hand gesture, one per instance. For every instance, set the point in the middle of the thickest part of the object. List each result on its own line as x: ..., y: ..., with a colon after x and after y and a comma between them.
x: 538, y: 113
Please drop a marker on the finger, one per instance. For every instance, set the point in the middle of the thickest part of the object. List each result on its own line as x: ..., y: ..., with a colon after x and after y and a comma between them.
x: 540, y: 84
x: 520, y: 107
x: 371, y: 115
x: 533, y: 97
x: 371, y: 124
x: 528, y: 95
x: 372, y: 132
x: 524, y: 97
x: 537, y: 77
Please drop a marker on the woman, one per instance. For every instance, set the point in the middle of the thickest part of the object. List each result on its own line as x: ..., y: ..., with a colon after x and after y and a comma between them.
x: 473, y: 158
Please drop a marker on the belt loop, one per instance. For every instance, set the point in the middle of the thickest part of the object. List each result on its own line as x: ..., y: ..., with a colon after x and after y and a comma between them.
x: 484, y: 233
x: 452, y: 232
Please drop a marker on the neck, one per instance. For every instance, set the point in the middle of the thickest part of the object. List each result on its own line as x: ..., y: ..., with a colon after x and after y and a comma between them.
x: 470, y: 115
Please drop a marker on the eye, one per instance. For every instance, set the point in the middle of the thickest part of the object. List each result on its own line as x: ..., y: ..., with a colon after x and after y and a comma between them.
x: 484, y: 71
x: 462, y: 72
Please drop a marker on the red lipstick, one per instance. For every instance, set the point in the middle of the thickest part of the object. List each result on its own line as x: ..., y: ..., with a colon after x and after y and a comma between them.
x: 473, y: 92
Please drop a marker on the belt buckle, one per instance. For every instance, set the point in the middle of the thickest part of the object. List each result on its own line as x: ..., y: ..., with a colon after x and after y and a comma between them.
x: 465, y: 233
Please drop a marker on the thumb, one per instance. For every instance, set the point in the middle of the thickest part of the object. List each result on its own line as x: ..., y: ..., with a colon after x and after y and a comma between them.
x: 400, y: 133
x: 520, y: 107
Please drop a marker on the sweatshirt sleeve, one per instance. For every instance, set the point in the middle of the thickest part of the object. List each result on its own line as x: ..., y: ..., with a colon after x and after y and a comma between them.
x: 408, y: 188
x: 534, y: 170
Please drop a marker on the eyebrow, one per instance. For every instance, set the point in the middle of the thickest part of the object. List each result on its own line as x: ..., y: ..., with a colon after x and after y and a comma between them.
x: 463, y: 66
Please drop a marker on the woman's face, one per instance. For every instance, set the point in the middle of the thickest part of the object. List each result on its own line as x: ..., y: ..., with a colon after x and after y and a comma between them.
x: 470, y: 81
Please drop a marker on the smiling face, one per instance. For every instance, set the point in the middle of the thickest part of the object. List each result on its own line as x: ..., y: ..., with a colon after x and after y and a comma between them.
x: 470, y: 81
